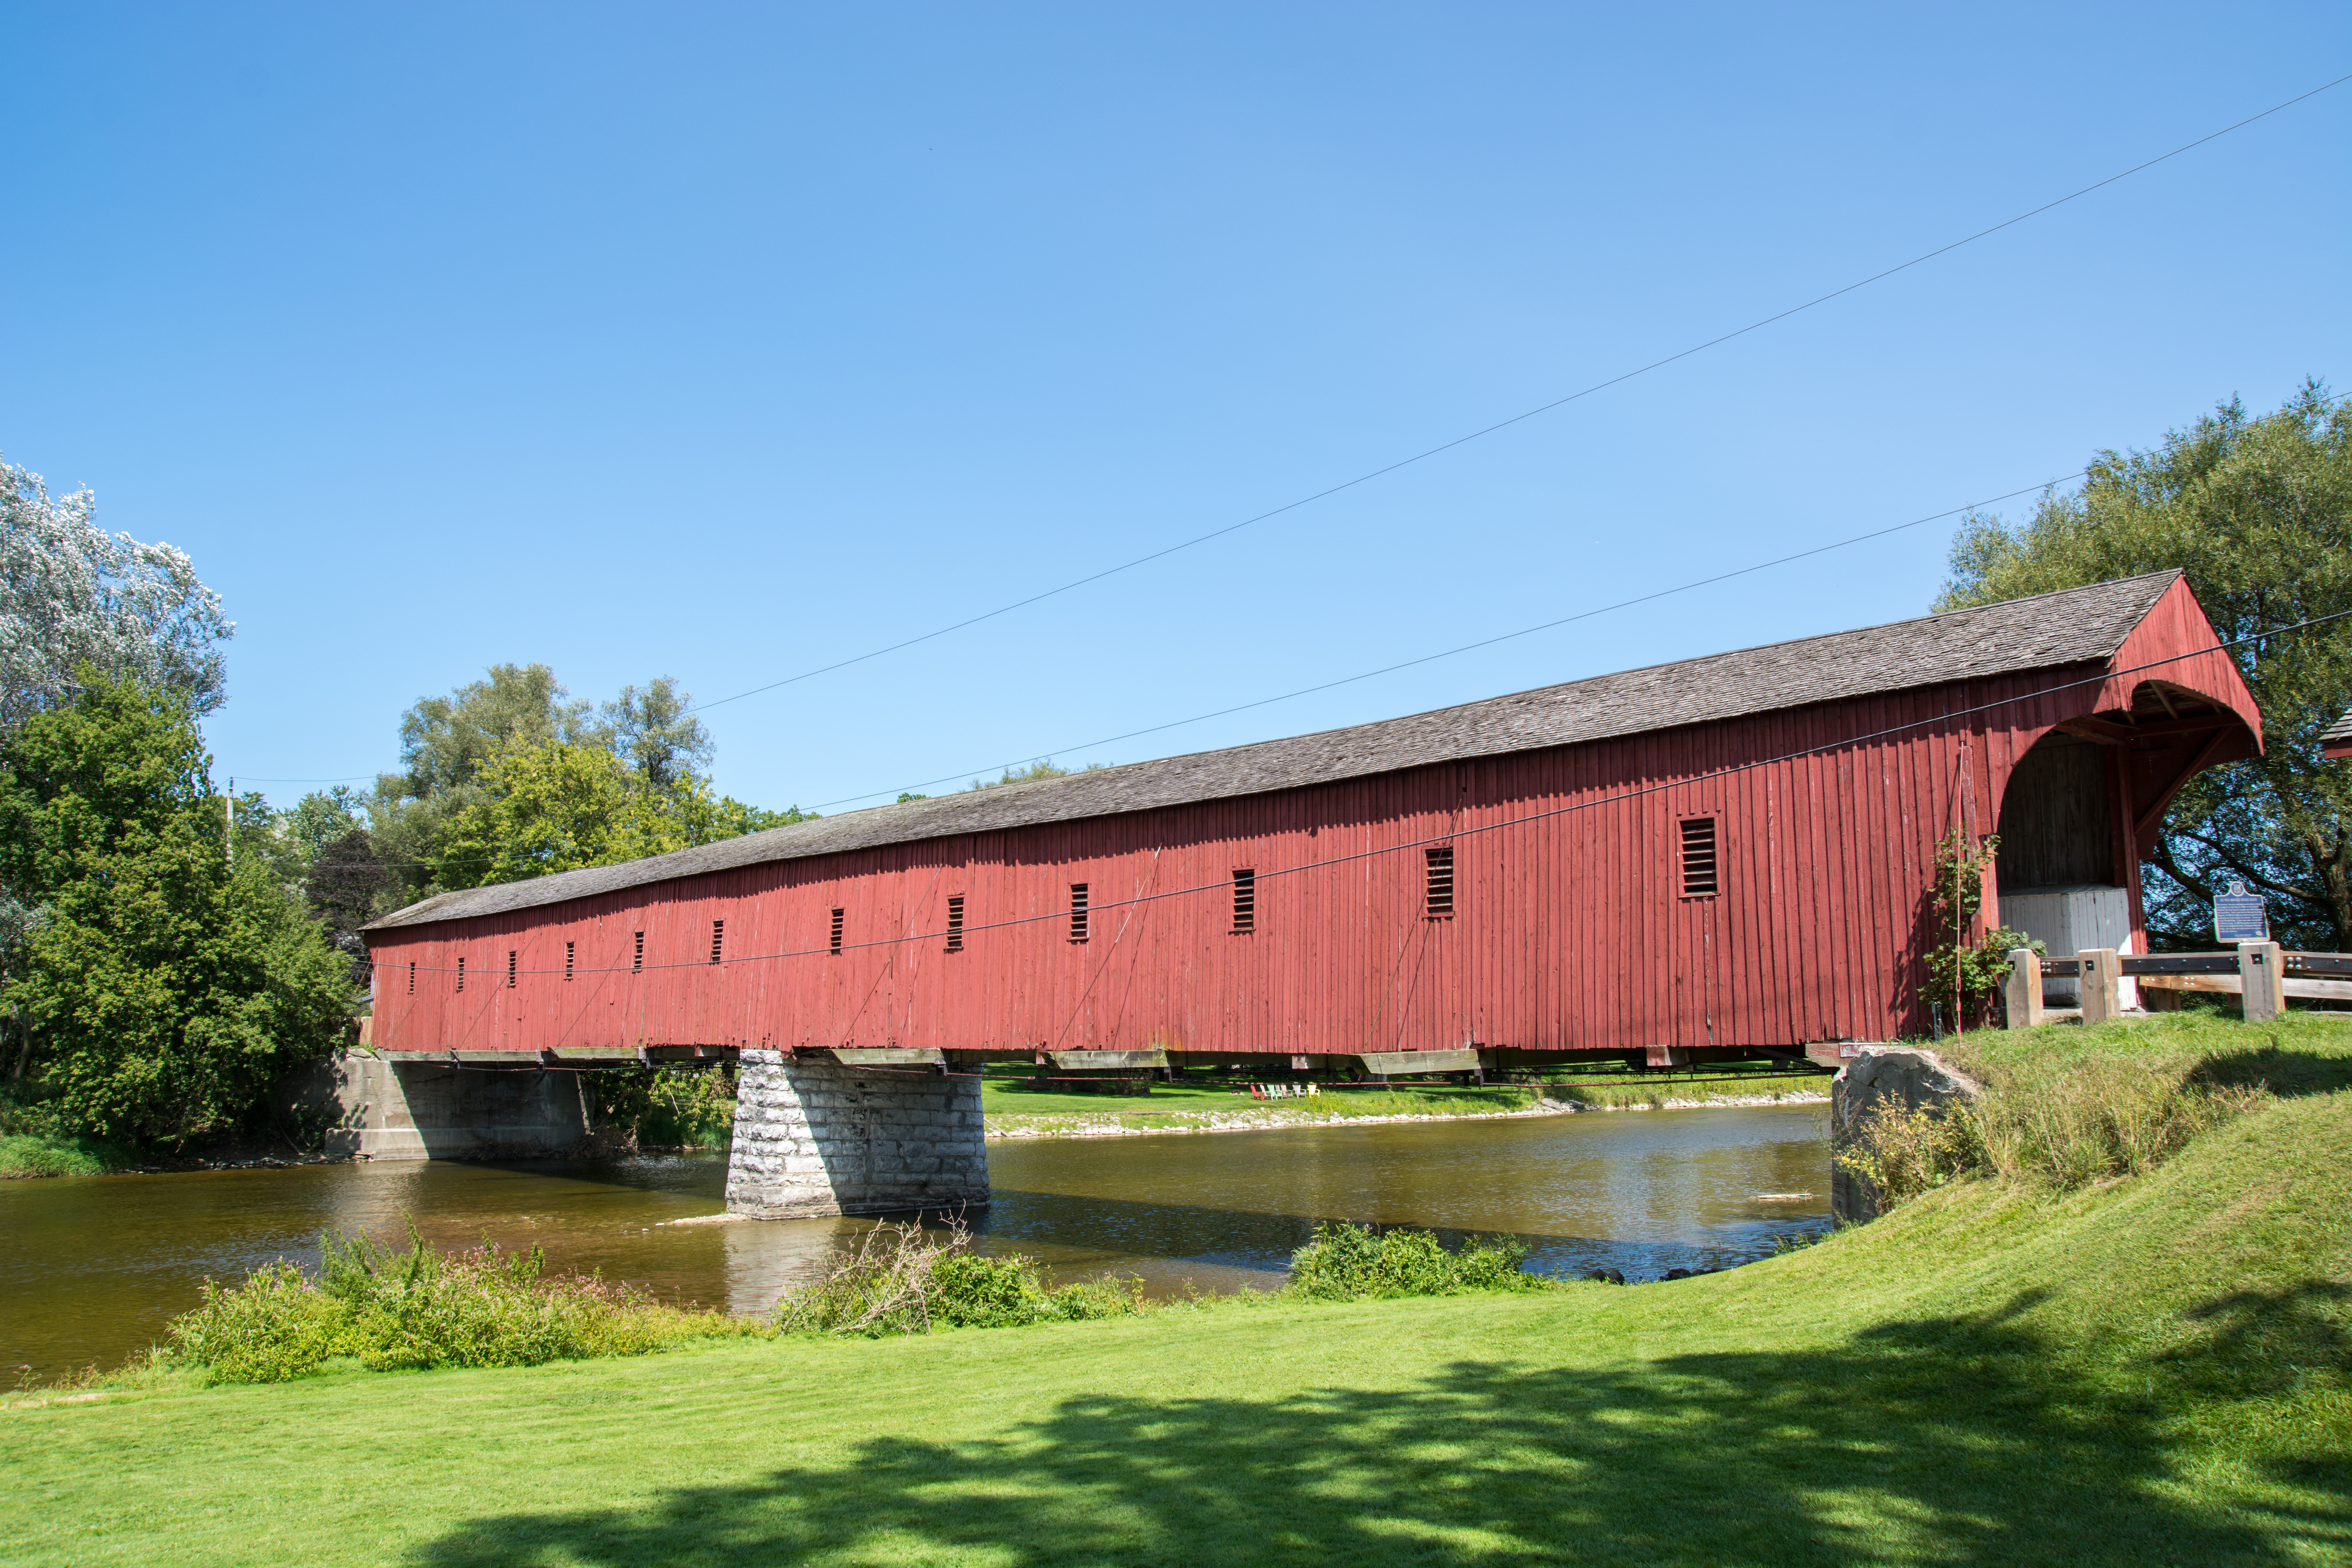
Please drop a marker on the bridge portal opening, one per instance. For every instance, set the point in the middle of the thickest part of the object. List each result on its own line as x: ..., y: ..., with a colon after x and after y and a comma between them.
x: 2057, y: 872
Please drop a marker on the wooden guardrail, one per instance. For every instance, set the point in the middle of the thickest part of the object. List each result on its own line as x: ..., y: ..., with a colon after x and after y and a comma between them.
x: 2260, y: 973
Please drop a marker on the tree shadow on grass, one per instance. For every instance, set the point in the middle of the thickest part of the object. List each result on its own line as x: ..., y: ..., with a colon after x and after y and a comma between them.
x: 2289, y: 1074
x: 1955, y: 1441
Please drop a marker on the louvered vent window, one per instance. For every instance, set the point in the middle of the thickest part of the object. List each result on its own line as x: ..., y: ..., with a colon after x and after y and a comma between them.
x: 1077, y: 911
x: 1441, y: 881
x: 1245, y: 901
x: 461, y: 971
x: 637, y: 964
x: 1700, y: 877
x: 718, y: 938
x: 412, y: 977
x: 567, y: 960
x: 836, y: 930
x: 510, y: 968
x: 955, y: 922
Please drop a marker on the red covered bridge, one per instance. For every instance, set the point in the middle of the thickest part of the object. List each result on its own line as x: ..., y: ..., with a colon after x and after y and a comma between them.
x: 1719, y: 854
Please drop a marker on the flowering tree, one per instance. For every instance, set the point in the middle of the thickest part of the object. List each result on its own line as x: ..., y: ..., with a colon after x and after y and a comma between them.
x: 72, y: 594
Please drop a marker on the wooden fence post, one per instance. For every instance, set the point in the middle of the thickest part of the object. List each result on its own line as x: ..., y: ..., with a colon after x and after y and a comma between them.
x: 2262, y: 978
x: 2101, y: 995
x: 2024, y: 995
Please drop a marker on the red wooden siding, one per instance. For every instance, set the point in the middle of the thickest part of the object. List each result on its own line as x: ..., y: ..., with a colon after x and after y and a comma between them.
x: 1569, y: 930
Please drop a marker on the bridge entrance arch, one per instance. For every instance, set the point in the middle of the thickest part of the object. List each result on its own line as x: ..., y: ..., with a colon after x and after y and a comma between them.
x: 2083, y: 806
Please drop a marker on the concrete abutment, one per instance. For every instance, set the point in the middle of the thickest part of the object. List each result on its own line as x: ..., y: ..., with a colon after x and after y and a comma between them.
x: 383, y: 1108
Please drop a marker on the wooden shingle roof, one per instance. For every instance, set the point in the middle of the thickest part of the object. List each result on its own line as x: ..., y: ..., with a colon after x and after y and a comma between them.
x: 2335, y: 741
x: 2075, y: 625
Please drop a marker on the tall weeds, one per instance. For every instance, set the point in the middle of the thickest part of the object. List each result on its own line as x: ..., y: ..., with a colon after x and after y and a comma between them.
x: 2067, y: 1124
x: 392, y: 1308
x: 2055, y: 1122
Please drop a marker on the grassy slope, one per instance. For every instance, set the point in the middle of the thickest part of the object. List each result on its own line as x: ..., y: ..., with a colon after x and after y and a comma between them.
x: 2150, y: 1372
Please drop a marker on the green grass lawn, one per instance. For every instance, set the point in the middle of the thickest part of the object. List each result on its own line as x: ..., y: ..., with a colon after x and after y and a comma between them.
x: 2149, y: 1372
x: 1011, y: 1106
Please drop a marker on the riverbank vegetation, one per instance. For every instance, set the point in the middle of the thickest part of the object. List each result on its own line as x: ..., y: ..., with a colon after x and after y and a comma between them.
x: 666, y: 1105
x: 389, y: 1310
x: 56, y: 1154
x: 2144, y: 1368
x: 902, y: 1279
x: 392, y: 1309
x: 1356, y: 1263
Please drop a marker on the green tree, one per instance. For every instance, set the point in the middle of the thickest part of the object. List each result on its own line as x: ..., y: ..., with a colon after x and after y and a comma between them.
x: 735, y: 818
x: 508, y: 778
x: 1044, y: 768
x: 2257, y: 511
x: 558, y: 807
x: 345, y: 883
x: 262, y: 838
x: 655, y: 732
x: 72, y: 594
x: 163, y: 990
x: 446, y: 740
x: 323, y: 817
x: 540, y: 809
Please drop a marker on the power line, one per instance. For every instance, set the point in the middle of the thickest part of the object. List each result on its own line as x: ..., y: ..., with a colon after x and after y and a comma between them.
x: 1448, y: 446
x: 1452, y: 835
x: 1432, y: 657
x: 1484, y: 642
x: 1518, y: 418
x: 1504, y: 637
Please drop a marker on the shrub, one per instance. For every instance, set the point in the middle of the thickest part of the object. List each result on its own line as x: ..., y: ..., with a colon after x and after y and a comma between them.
x: 275, y: 1326
x: 968, y: 1291
x: 421, y: 1308
x: 1351, y: 1263
x: 34, y: 1155
x: 900, y: 1279
x: 882, y: 1287
x: 1089, y: 1300
x: 1900, y: 1154
x: 669, y: 1105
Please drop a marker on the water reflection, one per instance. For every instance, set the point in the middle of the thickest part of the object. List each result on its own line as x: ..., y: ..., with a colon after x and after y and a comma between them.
x: 90, y: 1268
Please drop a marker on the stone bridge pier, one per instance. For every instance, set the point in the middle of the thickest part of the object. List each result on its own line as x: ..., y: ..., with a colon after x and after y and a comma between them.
x: 818, y: 1136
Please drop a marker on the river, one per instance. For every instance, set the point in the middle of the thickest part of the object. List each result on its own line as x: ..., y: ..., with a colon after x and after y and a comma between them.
x: 92, y: 1267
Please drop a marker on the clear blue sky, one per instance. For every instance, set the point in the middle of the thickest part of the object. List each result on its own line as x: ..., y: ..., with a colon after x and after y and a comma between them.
x: 724, y: 341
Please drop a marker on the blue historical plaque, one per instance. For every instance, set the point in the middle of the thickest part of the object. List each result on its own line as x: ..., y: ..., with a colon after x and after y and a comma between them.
x: 2240, y: 916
